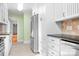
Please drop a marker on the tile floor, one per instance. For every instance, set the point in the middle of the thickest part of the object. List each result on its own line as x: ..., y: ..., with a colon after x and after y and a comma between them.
x: 21, y: 50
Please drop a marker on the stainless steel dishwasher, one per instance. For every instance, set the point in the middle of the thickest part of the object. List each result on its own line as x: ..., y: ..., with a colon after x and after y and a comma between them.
x: 69, y: 48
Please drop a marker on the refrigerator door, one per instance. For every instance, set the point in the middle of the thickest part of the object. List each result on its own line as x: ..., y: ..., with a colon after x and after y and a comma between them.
x: 34, y: 33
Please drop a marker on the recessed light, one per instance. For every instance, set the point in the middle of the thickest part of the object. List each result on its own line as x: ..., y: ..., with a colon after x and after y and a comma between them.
x: 20, y: 6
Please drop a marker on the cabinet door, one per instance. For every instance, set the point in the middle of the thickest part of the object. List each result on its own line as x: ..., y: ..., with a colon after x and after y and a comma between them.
x: 53, y: 46
x: 69, y: 49
x: 70, y: 9
x: 58, y: 11
x: 0, y: 12
x: 3, y: 13
x: 67, y: 9
x: 44, y: 45
x: 7, y: 44
x: 73, y: 9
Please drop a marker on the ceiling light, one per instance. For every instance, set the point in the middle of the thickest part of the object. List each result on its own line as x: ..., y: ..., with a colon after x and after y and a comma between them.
x: 20, y: 6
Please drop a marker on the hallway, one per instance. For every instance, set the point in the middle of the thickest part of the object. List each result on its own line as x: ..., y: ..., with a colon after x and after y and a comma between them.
x: 21, y: 50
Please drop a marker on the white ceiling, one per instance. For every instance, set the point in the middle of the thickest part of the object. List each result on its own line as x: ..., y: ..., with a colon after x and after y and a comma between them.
x: 26, y: 6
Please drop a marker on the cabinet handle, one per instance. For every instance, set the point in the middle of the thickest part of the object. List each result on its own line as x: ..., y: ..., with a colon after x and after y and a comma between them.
x: 53, y: 46
x: 52, y: 40
x: 52, y: 52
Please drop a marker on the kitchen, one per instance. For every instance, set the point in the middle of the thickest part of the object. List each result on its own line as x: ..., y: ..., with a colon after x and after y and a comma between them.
x: 62, y: 30
x: 50, y: 29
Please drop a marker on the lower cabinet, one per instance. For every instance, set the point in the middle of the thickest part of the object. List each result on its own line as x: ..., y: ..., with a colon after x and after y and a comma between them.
x: 7, y: 45
x: 44, y: 47
x: 53, y: 46
x: 69, y: 49
x: 50, y: 46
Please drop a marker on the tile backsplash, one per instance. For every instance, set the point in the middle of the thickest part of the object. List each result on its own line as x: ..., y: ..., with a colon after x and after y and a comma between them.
x: 70, y: 26
x: 2, y: 28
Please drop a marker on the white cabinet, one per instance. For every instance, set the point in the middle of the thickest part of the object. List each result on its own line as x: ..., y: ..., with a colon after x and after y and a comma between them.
x: 53, y: 46
x: 1, y: 46
x: 71, y: 9
x: 44, y: 45
x: 58, y: 9
x: 62, y: 11
x: 3, y: 13
x: 7, y: 43
x: 54, y: 11
x: 69, y: 49
x: 4, y: 19
x: 66, y: 11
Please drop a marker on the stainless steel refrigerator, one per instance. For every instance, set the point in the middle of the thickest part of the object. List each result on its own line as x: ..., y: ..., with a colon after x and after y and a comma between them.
x: 34, y: 34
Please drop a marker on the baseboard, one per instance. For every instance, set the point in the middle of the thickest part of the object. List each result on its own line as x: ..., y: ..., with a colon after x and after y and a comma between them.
x: 10, y: 50
x: 27, y: 41
x: 24, y: 41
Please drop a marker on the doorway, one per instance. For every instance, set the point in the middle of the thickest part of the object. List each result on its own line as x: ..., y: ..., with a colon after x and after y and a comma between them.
x: 14, y: 35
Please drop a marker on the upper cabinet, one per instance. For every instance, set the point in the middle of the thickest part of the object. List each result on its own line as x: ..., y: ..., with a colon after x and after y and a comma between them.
x: 1, y: 16
x: 71, y: 9
x: 3, y: 13
x: 58, y: 9
x: 66, y: 11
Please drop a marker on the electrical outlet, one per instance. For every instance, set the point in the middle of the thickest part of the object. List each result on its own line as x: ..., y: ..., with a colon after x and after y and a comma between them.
x: 69, y: 27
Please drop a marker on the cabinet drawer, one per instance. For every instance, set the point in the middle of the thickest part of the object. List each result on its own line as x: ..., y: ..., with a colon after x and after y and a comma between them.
x: 55, y: 48
x: 55, y: 42
x: 2, y: 53
x: 1, y: 49
x: 53, y: 53
x: 53, y: 39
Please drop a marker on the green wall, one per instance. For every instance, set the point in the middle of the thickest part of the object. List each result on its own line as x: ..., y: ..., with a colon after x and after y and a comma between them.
x: 27, y: 18
x: 23, y: 21
x: 20, y: 24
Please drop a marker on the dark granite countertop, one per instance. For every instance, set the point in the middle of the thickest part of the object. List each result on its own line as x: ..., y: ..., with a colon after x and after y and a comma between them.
x: 4, y: 34
x: 66, y: 37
